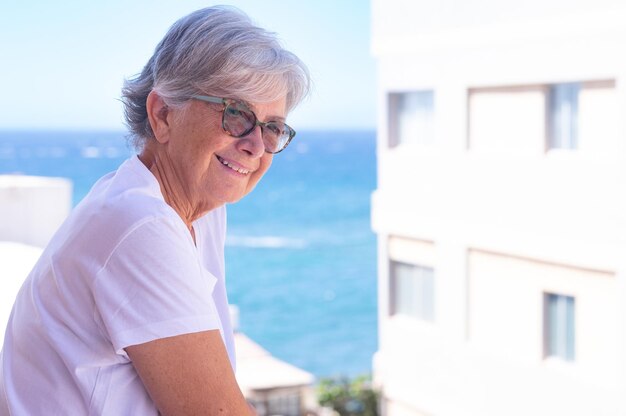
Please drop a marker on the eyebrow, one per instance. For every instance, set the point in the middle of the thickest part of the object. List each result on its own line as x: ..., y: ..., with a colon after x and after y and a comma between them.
x: 277, y: 118
x: 270, y: 118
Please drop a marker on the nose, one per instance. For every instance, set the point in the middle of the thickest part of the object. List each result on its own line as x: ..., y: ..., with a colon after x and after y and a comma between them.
x: 253, y: 143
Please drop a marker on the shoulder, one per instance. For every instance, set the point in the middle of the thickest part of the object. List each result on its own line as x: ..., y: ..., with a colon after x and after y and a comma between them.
x: 132, y: 194
x: 129, y: 200
x: 126, y: 203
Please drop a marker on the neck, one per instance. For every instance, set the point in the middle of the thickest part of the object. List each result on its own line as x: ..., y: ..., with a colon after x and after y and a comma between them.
x: 172, y: 186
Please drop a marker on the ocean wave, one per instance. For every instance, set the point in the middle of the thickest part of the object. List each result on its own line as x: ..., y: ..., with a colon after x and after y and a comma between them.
x: 267, y: 241
x: 96, y: 152
x: 90, y: 152
x: 7, y: 152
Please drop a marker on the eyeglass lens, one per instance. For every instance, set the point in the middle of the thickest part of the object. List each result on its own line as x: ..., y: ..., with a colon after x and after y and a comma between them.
x: 239, y: 121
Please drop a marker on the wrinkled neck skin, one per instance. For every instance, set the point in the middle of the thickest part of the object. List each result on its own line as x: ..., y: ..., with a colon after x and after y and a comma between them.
x: 174, y: 187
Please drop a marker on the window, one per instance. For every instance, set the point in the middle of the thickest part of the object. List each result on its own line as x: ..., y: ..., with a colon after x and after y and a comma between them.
x: 412, y: 290
x: 411, y: 117
x: 559, y: 326
x: 534, y: 118
x: 563, y: 116
x: 278, y: 402
x: 284, y: 404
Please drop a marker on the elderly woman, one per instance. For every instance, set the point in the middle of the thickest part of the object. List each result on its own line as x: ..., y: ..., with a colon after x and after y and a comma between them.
x: 126, y: 311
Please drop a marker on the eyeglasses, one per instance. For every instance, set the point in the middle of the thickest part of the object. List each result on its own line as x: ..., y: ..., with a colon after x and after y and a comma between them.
x: 239, y: 121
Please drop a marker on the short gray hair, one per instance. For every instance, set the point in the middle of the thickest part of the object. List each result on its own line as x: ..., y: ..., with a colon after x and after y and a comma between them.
x: 215, y: 51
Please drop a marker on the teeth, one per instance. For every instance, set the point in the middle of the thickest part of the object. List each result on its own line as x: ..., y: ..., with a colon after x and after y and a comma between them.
x: 240, y: 170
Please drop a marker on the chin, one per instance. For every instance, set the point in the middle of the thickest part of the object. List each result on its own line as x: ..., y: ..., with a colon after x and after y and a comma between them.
x: 235, y: 198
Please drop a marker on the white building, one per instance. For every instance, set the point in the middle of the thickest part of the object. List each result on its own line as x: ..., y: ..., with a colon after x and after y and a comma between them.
x: 500, y: 207
x: 31, y: 210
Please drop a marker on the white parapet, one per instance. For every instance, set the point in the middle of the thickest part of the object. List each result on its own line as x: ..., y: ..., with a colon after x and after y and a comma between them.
x: 16, y: 261
x: 32, y: 208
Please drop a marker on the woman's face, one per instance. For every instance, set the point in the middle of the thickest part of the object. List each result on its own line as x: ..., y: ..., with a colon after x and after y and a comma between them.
x: 212, y: 167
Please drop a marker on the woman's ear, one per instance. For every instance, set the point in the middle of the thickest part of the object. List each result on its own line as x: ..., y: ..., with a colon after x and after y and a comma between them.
x: 158, y: 113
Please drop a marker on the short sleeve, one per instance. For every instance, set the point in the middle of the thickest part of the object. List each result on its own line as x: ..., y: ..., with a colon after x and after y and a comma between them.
x: 153, y: 286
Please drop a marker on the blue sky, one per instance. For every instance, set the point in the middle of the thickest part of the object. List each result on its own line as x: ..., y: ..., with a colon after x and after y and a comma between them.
x: 63, y: 62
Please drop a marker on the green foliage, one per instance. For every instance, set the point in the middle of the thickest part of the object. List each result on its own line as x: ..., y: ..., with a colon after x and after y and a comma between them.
x: 349, y: 397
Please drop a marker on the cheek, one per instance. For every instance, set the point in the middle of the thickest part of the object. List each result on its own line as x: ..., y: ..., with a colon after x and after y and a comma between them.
x: 266, y: 162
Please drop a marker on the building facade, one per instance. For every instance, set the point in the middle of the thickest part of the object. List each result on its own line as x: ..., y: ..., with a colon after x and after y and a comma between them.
x: 500, y: 208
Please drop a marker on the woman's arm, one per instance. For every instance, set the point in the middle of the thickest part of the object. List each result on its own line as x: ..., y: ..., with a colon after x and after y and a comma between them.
x: 189, y: 375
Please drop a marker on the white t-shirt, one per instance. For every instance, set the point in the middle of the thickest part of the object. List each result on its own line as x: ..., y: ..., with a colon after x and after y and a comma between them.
x: 122, y: 270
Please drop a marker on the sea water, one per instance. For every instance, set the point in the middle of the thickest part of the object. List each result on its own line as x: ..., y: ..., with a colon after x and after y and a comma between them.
x: 300, y: 254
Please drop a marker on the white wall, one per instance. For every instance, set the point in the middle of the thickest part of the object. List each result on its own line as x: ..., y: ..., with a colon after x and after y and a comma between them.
x: 16, y: 261
x: 509, y: 120
x: 600, y: 115
x: 32, y: 208
x: 506, y: 312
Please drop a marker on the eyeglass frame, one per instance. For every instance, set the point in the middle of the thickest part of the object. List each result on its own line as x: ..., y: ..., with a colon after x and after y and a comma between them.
x: 227, y: 101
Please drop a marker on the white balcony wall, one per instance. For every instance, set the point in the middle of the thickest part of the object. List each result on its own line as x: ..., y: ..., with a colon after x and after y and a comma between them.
x: 33, y: 208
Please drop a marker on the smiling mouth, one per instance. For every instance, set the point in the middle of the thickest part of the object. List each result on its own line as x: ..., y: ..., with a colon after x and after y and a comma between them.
x: 233, y: 167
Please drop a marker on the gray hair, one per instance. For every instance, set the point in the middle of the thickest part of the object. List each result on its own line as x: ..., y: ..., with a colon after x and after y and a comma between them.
x: 214, y: 51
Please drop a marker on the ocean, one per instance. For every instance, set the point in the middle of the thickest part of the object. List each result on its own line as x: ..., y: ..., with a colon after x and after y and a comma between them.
x: 300, y: 254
